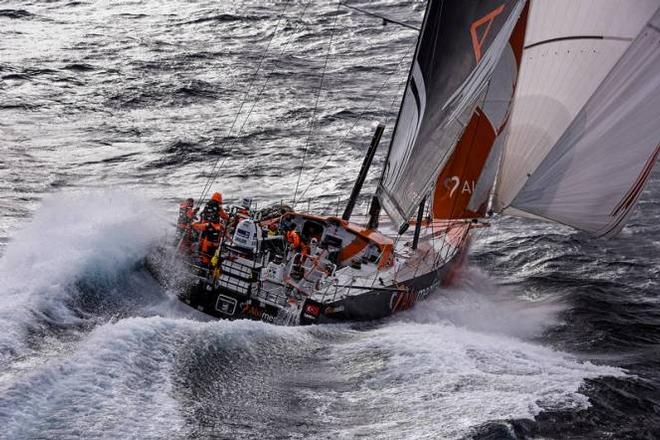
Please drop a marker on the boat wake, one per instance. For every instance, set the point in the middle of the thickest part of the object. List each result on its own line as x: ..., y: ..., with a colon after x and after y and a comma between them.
x: 475, y: 303
x: 453, y: 365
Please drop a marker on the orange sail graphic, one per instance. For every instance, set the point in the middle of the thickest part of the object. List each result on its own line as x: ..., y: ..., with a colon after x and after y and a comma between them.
x: 457, y: 182
x: 456, y: 189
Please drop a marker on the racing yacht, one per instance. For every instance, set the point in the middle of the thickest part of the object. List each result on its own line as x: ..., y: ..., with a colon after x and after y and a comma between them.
x: 470, y: 137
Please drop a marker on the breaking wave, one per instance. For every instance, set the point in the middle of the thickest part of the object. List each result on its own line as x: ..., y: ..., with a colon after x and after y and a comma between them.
x: 68, y: 267
x: 152, y: 378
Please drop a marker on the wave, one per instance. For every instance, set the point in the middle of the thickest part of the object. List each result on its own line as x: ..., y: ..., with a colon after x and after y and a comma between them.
x: 447, y: 367
x: 225, y: 18
x: 148, y: 378
x: 16, y: 13
x: 437, y: 378
x: 452, y: 365
x: 476, y: 303
x: 80, y: 67
x: 67, y: 267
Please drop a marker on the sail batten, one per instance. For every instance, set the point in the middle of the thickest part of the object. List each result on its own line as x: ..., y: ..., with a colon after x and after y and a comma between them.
x: 459, y: 48
x: 580, y: 154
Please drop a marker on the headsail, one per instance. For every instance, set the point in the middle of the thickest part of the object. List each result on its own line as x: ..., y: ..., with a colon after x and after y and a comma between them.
x: 463, y: 187
x: 459, y: 46
x: 583, y: 132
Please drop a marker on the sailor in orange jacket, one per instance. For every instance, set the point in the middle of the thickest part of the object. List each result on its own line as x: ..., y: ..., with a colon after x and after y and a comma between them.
x: 184, y: 231
x: 293, y: 238
x: 213, y: 211
x: 209, y: 239
x: 186, y: 214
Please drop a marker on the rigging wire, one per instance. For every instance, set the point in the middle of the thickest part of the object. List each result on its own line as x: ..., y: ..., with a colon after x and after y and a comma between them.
x: 312, y: 123
x: 385, y: 19
x: 215, y: 169
x: 263, y: 87
x: 352, y: 127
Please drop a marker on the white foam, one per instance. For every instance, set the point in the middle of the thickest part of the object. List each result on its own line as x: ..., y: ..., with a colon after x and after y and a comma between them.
x: 477, y: 303
x: 120, y: 380
x: 440, y: 381
x: 72, y: 235
x: 454, y: 363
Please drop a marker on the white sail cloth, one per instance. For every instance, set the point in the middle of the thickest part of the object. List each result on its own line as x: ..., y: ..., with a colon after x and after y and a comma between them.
x: 583, y: 132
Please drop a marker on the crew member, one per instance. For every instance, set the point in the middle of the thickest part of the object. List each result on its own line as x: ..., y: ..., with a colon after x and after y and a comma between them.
x: 213, y: 211
x: 185, y: 236
x: 293, y: 238
x: 186, y: 215
x: 209, y: 240
x: 272, y: 230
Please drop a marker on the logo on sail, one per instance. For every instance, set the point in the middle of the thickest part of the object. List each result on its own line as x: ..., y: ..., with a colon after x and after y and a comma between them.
x: 454, y: 182
x: 477, y: 43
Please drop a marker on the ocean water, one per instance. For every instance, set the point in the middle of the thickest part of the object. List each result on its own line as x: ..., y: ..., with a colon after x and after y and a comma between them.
x: 111, y: 111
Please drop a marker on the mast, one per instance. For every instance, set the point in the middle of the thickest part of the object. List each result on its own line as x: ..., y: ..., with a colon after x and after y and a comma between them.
x: 418, y: 225
x: 374, y: 213
x: 375, y: 141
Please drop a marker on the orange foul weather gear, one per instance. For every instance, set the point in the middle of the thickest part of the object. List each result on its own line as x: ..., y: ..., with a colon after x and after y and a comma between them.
x: 213, y: 210
x: 294, y: 239
x: 184, y: 223
x: 209, y: 239
x: 186, y: 214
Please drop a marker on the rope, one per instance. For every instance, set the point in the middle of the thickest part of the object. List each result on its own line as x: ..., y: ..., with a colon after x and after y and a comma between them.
x: 312, y: 124
x: 215, y: 168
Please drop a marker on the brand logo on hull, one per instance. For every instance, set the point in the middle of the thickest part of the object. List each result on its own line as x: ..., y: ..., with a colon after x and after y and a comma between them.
x: 400, y: 301
x: 257, y: 313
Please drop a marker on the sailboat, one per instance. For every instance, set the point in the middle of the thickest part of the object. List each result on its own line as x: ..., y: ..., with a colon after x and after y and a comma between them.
x: 543, y: 109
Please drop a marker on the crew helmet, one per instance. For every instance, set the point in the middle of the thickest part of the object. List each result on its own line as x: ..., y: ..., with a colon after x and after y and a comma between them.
x: 246, y: 202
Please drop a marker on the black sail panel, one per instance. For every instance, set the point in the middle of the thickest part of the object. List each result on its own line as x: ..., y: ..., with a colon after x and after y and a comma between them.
x: 459, y: 46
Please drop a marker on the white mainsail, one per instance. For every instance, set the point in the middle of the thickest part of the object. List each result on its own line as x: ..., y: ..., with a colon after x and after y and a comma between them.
x: 583, y: 134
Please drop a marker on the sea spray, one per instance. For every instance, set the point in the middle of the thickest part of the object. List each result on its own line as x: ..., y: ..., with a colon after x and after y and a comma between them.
x: 72, y: 240
x: 476, y: 302
x: 463, y: 358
